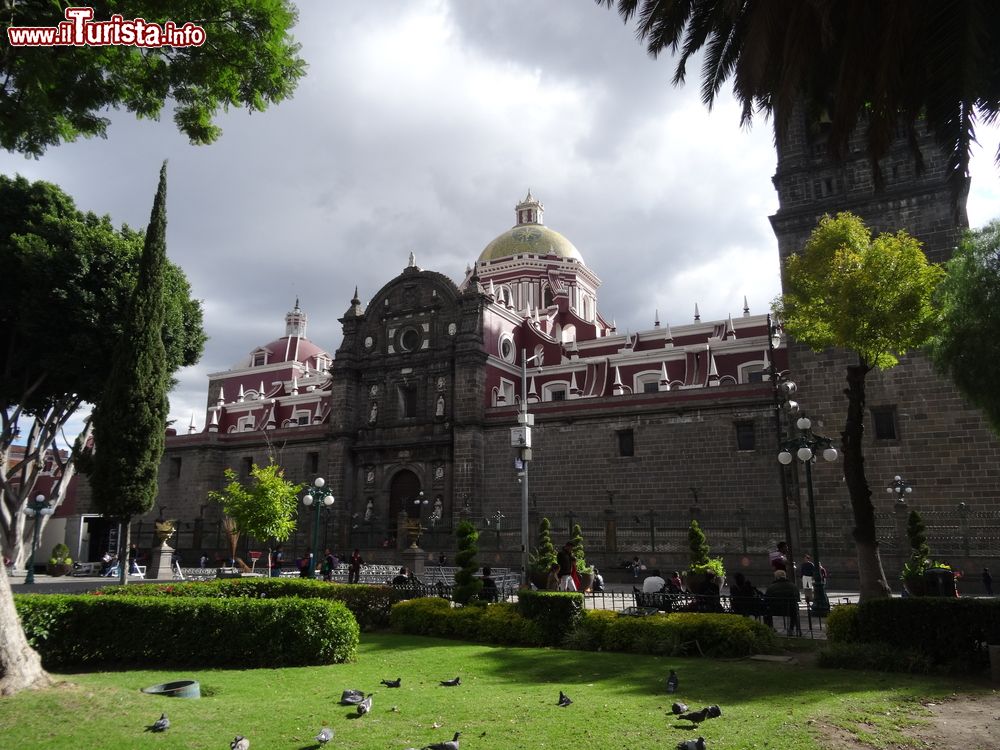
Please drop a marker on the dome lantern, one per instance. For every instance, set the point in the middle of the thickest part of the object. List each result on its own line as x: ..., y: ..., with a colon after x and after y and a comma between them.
x: 529, y: 211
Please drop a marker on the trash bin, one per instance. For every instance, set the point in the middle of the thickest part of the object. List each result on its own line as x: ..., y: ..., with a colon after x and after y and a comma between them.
x: 940, y: 582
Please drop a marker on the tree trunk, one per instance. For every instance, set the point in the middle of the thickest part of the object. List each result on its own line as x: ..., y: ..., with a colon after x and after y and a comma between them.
x: 20, y: 665
x: 124, y: 545
x: 873, y: 583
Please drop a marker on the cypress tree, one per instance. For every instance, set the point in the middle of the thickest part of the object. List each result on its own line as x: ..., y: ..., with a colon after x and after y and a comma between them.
x: 131, y: 416
x: 698, y: 546
x: 578, y: 552
x: 544, y: 556
x: 466, y: 583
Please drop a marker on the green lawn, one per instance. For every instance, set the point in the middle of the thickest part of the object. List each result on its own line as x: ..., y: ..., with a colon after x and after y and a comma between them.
x: 507, y: 700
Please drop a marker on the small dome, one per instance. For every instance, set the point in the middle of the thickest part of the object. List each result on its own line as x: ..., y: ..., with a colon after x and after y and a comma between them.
x: 536, y: 239
x: 292, y: 349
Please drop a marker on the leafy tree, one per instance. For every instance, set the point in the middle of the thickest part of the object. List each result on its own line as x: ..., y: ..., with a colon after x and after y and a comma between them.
x: 57, y: 94
x: 264, y: 510
x: 467, y: 586
x: 544, y: 556
x: 967, y: 347
x: 67, y: 280
x: 131, y: 416
x: 874, y: 298
x: 578, y: 552
x: 877, y: 62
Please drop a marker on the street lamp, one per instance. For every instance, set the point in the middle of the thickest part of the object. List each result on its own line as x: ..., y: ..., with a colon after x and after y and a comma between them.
x: 806, y: 446
x: 901, y: 488
x: 35, y: 508
x: 521, y: 436
x: 321, y: 496
x: 782, y: 390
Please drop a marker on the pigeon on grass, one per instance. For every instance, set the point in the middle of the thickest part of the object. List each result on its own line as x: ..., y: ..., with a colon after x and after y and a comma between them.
x: 366, y: 705
x: 452, y: 683
x: 679, y: 708
x: 239, y: 743
x: 672, y: 682
x: 564, y: 699
x: 698, y: 744
x: 351, y: 697
x: 695, y: 717
x: 451, y: 744
x: 160, y: 725
x: 325, y: 735
x: 393, y: 683
x: 714, y: 712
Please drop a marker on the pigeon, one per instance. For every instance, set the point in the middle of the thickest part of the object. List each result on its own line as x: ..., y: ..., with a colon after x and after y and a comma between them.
x: 679, y: 708
x: 160, y: 725
x: 239, y: 743
x: 452, y: 683
x: 451, y: 744
x: 698, y: 744
x: 366, y: 705
x: 393, y: 683
x: 564, y: 699
x: 672, y: 682
x: 351, y: 697
x: 696, y: 717
x: 714, y: 712
x: 325, y: 735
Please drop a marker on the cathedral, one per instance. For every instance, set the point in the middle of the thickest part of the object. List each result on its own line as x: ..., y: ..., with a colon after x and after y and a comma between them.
x: 414, y: 420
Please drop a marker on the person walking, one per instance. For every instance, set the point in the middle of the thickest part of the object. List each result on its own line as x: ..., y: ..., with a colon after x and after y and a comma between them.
x: 565, y: 560
x: 354, y: 567
x: 987, y: 582
x: 807, y: 575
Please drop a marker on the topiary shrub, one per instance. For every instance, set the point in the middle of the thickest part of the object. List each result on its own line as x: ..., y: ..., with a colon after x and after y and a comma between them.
x: 578, y: 552
x: 681, y: 633
x: 74, y: 631
x: 60, y: 555
x: 544, y: 556
x: 702, y: 564
x: 842, y: 624
x: 555, y: 612
x: 496, y: 623
x: 369, y: 604
x: 467, y: 586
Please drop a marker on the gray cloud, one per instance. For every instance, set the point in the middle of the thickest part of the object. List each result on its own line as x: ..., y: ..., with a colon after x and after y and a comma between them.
x: 418, y: 127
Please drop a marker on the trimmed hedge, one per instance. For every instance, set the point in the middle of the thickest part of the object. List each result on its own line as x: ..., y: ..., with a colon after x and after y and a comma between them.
x: 555, y: 612
x: 878, y: 657
x: 76, y: 630
x: 499, y: 623
x: 677, y: 633
x: 369, y: 604
x: 945, y: 631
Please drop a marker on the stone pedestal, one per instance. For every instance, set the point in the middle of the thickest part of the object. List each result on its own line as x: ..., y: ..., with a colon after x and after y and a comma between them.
x: 159, y: 567
x: 414, y: 559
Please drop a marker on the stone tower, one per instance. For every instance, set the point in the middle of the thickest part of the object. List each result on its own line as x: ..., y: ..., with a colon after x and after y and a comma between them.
x: 916, y: 423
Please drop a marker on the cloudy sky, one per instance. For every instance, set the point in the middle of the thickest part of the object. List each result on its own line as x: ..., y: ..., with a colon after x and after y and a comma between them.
x: 419, y: 125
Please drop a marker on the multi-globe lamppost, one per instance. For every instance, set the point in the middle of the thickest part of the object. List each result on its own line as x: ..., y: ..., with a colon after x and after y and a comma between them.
x: 521, y: 438
x: 321, y: 496
x: 34, y: 509
x: 899, y: 487
x: 805, y: 446
x: 782, y: 390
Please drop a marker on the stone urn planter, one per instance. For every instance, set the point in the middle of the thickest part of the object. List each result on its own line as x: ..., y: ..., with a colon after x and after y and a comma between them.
x: 539, y: 578
x: 586, y: 581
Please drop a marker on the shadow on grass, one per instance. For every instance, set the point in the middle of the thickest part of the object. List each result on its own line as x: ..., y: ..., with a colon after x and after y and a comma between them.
x: 702, y: 679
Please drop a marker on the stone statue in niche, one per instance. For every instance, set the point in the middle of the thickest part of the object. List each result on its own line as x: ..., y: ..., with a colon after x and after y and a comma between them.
x: 370, y: 475
x: 438, y: 473
x: 373, y: 391
x: 373, y: 413
x: 370, y: 510
x: 438, y: 511
x: 439, y: 406
x: 440, y: 383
